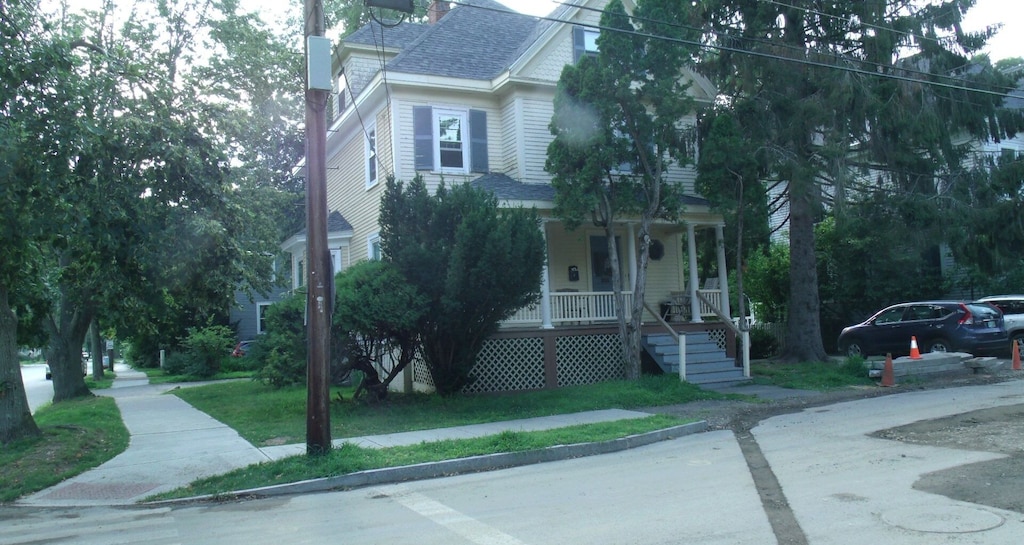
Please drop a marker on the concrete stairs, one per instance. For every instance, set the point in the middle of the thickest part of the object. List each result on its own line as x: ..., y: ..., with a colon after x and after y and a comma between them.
x: 706, y: 363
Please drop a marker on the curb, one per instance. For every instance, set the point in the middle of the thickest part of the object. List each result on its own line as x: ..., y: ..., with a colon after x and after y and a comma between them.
x: 446, y: 468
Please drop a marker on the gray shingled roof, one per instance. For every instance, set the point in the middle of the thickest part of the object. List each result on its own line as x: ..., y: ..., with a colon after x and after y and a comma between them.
x: 399, y: 37
x: 476, y: 40
x: 505, y: 188
x: 335, y: 223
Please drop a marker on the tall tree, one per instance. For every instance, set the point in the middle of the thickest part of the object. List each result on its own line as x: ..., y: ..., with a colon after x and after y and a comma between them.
x: 617, y: 127
x: 837, y: 95
x: 730, y: 177
x: 35, y: 64
x: 475, y: 265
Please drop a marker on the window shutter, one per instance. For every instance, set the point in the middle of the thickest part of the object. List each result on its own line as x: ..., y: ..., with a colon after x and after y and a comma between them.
x: 423, y: 135
x: 478, y: 141
x: 578, y: 47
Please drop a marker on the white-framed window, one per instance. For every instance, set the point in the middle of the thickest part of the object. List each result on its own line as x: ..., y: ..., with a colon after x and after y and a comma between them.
x: 450, y: 146
x: 371, y: 155
x: 261, y: 317
x: 450, y: 140
x: 373, y: 247
x: 584, y: 42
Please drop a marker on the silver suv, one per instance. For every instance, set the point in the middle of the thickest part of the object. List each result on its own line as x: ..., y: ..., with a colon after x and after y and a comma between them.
x: 1013, y: 315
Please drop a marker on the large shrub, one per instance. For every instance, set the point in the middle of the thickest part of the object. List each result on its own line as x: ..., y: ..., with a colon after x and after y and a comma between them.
x: 206, y: 347
x: 376, y: 317
x: 474, y: 263
x: 281, y: 351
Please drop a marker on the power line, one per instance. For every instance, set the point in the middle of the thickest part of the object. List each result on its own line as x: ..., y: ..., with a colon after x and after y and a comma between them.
x: 760, y: 54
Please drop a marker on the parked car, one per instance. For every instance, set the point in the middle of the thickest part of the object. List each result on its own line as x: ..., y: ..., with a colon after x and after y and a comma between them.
x: 1012, y: 307
x: 938, y: 326
x: 241, y: 348
x: 85, y: 368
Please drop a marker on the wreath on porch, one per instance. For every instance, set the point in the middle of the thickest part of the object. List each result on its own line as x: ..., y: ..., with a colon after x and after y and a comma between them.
x: 657, y: 250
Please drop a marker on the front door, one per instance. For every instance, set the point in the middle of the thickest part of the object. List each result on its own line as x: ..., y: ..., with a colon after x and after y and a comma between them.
x: 601, y: 263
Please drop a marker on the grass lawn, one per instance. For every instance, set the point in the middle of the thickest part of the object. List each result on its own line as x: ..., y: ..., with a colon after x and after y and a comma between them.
x: 76, y: 435
x: 350, y: 459
x: 269, y: 416
x: 820, y: 376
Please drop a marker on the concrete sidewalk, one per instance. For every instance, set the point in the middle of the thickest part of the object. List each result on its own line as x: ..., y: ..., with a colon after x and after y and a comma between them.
x: 173, y: 444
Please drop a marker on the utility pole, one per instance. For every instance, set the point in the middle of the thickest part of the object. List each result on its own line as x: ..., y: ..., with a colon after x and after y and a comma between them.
x: 320, y: 281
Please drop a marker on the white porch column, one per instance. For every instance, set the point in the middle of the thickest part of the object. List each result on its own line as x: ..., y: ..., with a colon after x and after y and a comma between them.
x: 691, y: 250
x: 723, y: 274
x: 631, y: 252
x: 545, y: 282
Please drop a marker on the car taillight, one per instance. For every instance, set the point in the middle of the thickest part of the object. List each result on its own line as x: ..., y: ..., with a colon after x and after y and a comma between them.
x: 967, y: 318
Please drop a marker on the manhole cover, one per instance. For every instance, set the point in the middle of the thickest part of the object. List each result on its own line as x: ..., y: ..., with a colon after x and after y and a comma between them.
x: 943, y: 520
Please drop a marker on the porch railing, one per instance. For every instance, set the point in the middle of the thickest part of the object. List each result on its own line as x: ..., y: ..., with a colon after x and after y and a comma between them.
x: 590, y: 307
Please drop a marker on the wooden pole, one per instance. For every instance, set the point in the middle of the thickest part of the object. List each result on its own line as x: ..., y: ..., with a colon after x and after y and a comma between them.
x: 320, y: 282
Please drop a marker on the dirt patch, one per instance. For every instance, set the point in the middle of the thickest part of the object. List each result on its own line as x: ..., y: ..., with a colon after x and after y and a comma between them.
x: 996, y: 483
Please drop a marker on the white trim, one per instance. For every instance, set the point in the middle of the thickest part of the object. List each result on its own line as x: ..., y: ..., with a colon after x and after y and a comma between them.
x: 335, y: 261
x: 371, y: 153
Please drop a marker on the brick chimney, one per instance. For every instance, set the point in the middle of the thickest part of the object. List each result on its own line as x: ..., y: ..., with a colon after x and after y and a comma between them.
x: 437, y: 10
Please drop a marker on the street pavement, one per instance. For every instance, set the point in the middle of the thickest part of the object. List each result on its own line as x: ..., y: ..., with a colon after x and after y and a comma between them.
x: 842, y: 485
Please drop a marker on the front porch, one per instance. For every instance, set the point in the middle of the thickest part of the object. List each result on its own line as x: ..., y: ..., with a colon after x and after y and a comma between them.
x: 596, y: 308
x: 576, y: 284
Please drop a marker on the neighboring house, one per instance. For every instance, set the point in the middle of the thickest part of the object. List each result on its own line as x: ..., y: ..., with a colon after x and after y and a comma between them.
x: 467, y: 98
x: 247, y: 316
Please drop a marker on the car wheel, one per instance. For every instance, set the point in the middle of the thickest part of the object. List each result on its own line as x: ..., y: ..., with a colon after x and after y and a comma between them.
x: 1019, y: 337
x: 939, y: 345
x: 853, y: 349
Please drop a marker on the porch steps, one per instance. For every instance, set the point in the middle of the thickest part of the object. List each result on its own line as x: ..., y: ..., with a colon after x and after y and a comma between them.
x: 706, y: 363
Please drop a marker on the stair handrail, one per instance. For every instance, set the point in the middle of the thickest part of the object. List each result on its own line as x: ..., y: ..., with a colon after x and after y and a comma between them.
x: 661, y: 321
x: 744, y: 333
x: 680, y: 340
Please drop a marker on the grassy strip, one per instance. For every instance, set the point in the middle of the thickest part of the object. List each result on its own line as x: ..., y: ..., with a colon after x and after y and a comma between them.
x: 106, y: 382
x: 819, y: 376
x: 158, y: 376
x: 76, y: 435
x: 269, y: 416
x: 350, y: 459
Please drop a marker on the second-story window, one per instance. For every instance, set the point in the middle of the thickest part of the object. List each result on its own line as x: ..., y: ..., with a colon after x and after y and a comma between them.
x: 451, y: 146
x: 449, y: 140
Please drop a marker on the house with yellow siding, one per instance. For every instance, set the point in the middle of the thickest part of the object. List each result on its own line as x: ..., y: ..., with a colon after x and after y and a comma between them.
x: 467, y: 97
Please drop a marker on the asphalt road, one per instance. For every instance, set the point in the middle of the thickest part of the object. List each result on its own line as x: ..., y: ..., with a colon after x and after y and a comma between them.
x: 38, y: 389
x: 656, y: 494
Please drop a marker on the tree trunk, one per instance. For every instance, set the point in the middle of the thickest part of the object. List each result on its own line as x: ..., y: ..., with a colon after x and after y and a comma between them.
x: 97, y: 351
x: 625, y: 337
x: 803, y: 340
x: 16, y: 420
x: 67, y: 331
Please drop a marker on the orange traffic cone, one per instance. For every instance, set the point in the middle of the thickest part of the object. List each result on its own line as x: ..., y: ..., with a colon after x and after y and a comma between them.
x: 887, y: 375
x: 915, y: 354
x: 1016, y: 356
